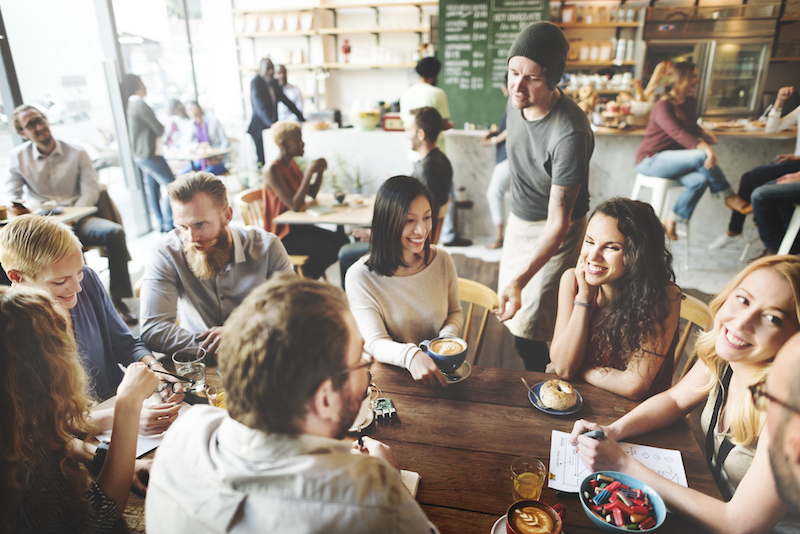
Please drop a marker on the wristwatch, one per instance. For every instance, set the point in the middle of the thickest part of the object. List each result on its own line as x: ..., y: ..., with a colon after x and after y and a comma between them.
x: 100, y: 456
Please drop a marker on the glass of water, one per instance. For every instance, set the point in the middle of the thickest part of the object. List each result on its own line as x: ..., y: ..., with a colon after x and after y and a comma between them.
x: 189, y: 363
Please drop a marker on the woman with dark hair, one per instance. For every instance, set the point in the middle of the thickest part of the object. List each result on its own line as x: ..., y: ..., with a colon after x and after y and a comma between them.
x: 44, y: 404
x: 144, y: 129
x: 406, y: 290
x: 675, y: 146
x: 618, y: 310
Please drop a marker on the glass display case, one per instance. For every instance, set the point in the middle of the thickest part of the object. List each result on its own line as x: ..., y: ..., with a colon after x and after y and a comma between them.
x: 734, y: 77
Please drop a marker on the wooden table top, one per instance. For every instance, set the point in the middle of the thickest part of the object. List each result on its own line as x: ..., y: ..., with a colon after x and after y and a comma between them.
x: 463, y: 438
x: 357, y: 215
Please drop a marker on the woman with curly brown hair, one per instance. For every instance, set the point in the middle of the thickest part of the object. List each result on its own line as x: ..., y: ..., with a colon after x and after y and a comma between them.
x: 618, y: 310
x: 44, y: 403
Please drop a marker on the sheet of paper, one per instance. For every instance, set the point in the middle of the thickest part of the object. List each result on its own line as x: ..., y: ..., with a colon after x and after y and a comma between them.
x: 567, y: 471
x: 410, y: 480
x: 144, y: 444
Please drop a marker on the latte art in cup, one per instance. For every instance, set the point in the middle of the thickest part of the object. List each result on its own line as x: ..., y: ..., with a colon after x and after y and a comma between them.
x: 447, y: 347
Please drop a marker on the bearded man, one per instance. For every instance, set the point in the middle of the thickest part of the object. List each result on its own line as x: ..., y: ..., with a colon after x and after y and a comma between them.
x: 203, y: 269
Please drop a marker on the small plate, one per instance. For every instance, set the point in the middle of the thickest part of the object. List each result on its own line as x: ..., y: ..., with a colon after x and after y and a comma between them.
x: 460, y: 374
x: 537, y: 388
x: 499, y: 526
x: 365, y: 416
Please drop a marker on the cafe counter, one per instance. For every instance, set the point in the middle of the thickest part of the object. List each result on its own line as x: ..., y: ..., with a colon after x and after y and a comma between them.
x: 376, y: 155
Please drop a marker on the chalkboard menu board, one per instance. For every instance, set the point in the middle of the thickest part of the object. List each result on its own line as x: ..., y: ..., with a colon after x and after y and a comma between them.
x: 474, y: 38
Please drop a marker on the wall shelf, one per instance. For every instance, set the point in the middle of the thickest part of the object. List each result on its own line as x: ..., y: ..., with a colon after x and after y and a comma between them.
x: 776, y: 59
x: 356, y: 5
x: 599, y: 25
x: 599, y: 63
x: 340, y: 31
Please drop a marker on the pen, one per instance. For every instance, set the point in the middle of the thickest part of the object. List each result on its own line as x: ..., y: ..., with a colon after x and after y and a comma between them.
x: 182, y: 379
x: 594, y: 434
x: 360, y: 440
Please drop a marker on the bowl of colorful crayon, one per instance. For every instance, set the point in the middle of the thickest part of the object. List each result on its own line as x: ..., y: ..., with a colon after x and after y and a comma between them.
x: 617, y: 502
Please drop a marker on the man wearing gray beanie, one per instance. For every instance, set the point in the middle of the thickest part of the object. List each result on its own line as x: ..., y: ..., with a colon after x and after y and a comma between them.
x: 549, y: 145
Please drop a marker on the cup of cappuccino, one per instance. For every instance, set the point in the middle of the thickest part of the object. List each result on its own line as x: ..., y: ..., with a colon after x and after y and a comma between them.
x: 447, y: 352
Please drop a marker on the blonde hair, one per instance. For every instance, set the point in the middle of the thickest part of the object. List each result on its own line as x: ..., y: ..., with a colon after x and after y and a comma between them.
x: 280, y: 130
x: 19, y: 110
x: 187, y: 186
x: 746, y: 420
x: 31, y: 243
x: 44, y: 402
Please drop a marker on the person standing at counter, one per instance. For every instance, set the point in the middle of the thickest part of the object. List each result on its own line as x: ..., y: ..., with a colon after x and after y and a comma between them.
x: 784, y: 164
x: 292, y: 93
x: 675, y: 146
x: 501, y: 176
x: 265, y: 93
x: 549, y: 146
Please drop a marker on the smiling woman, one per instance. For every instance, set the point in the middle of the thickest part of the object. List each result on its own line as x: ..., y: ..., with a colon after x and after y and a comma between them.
x: 406, y: 290
x: 618, y: 309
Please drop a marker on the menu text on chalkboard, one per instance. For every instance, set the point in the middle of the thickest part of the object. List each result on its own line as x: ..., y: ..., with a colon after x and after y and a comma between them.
x: 474, y: 38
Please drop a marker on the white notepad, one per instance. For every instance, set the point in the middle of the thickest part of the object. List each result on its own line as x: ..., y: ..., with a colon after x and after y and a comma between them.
x: 411, y: 481
x: 567, y: 471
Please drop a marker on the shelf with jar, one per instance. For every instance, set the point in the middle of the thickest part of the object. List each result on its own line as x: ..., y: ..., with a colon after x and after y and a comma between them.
x: 584, y: 15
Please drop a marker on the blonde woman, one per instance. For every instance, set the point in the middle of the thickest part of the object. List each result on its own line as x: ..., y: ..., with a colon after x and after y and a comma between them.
x: 36, y: 251
x: 754, y: 315
x: 43, y: 404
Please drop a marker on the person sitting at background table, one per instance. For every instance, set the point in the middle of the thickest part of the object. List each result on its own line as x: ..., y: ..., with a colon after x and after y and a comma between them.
x: 293, y: 367
x: 675, y: 147
x: 285, y: 188
x: 206, y: 129
x: 754, y: 315
x: 618, y: 310
x: 406, y: 290
x: 145, y: 129
x: 40, y: 252
x: 203, y: 269
x: 43, y: 406
x: 783, y: 165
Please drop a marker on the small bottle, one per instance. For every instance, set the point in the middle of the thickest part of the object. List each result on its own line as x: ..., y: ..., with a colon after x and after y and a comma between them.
x: 620, y: 51
x: 590, y: 16
x: 630, y: 15
x: 630, y: 50
x: 580, y: 14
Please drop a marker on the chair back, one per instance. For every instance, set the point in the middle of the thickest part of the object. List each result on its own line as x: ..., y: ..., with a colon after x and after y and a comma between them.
x: 440, y: 222
x: 250, y: 204
x: 476, y: 293
x: 696, y: 312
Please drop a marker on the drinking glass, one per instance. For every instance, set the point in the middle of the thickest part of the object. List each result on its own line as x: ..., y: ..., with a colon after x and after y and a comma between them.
x: 216, y: 397
x: 189, y: 364
x: 527, y: 476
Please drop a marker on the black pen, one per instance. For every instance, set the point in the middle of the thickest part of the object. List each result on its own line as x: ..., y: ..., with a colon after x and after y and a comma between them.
x: 360, y: 440
x: 595, y: 434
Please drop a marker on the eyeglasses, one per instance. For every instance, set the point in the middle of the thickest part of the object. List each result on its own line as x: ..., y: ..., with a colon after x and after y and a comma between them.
x: 38, y: 121
x: 760, y: 398
x: 366, y: 361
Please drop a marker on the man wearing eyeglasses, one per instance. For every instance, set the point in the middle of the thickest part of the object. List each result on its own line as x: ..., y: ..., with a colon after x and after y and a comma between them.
x: 782, y: 391
x: 292, y: 364
x: 53, y: 170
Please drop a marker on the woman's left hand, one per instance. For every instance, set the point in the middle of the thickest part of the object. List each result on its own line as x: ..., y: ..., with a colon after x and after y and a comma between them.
x: 601, y: 454
x: 141, y: 474
x: 585, y: 290
x: 423, y: 368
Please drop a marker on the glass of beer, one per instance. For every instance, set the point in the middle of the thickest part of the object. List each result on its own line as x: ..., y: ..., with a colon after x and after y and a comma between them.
x: 216, y: 397
x: 527, y: 476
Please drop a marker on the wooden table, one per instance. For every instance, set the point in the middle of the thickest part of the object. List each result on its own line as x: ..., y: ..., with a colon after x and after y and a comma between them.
x: 357, y: 215
x: 462, y: 440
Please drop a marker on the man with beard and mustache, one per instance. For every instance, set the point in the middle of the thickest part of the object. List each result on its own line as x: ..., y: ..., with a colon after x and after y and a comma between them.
x: 293, y: 368
x: 782, y: 390
x: 204, y: 268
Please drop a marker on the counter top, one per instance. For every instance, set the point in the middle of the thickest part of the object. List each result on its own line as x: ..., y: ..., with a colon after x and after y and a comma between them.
x: 633, y: 132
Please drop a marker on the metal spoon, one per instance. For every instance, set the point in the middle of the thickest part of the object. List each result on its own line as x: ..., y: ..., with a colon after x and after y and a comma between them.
x: 538, y: 400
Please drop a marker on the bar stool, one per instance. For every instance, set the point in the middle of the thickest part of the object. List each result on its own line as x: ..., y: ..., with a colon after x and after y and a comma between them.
x: 791, y: 232
x: 660, y: 189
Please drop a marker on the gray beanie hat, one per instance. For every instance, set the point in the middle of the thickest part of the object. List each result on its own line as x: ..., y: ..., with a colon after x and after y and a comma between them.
x: 544, y: 43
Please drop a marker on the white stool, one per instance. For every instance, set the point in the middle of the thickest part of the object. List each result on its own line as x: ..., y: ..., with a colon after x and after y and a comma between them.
x: 791, y: 232
x: 660, y: 190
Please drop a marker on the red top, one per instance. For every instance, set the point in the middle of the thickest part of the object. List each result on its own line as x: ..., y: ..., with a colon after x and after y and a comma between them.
x: 666, y: 132
x: 273, y: 205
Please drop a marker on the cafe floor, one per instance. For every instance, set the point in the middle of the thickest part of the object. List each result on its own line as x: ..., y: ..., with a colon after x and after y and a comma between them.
x: 709, y: 270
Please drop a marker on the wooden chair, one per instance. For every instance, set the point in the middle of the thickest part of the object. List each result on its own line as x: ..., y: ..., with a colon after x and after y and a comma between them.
x: 440, y: 222
x: 696, y: 312
x: 250, y: 204
x: 475, y: 293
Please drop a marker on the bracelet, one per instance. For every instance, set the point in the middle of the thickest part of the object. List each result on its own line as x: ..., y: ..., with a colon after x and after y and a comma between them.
x: 582, y: 304
x: 100, y: 456
x: 151, y: 364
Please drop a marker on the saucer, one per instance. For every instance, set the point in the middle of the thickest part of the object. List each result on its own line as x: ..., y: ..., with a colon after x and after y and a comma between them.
x: 499, y: 526
x: 537, y: 387
x: 459, y: 374
x: 365, y: 416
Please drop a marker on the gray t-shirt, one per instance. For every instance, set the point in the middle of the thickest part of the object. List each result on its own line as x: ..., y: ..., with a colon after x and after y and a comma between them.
x: 435, y: 171
x: 554, y: 150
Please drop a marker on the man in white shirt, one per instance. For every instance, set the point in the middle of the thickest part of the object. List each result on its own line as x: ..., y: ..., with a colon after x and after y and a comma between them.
x: 424, y: 93
x: 204, y: 268
x: 292, y: 93
x: 293, y: 370
x: 47, y: 169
